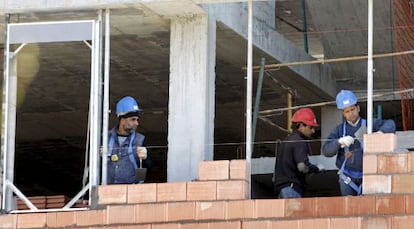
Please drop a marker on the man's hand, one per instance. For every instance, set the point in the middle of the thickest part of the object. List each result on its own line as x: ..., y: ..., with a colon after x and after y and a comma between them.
x: 142, y: 152
x: 348, y: 155
x: 346, y: 141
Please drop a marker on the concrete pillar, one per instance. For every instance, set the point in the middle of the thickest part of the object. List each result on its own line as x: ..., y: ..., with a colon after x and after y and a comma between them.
x: 191, y: 95
x: 330, y: 118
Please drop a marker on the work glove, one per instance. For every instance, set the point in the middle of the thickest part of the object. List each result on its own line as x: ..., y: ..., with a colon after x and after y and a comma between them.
x: 142, y: 152
x: 346, y: 141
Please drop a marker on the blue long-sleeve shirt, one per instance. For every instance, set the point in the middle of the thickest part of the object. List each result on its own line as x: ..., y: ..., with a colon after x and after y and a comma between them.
x: 332, y: 146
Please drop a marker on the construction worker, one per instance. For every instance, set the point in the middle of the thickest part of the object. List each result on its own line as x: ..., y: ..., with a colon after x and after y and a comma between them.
x: 292, y: 161
x: 126, y: 146
x: 345, y: 140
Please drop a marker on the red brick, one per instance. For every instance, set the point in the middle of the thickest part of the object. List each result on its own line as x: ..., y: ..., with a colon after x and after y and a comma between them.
x: 302, y: 207
x: 376, y: 222
x: 65, y: 219
x: 181, y: 211
x: 120, y: 214
x: 226, y: 225
x: 328, y: 206
x: 202, y: 190
x: 31, y: 220
x: 232, y: 190
x: 51, y: 219
x: 141, y: 193
x: 346, y: 223
x: 239, y: 170
x: 174, y: 191
x: 8, y: 221
x: 395, y: 163
x: 410, y: 161
x: 142, y: 226
x: 379, y: 143
x: 388, y: 204
x: 321, y: 223
x: 403, y: 222
x: 240, y: 209
x: 166, y: 226
x: 370, y: 164
x: 269, y: 208
x: 291, y: 224
x: 210, y: 210
x: 359, y: 205
x: 213, y: 170
x: 375, y: 184
x: 112, y: 194
x: 403, y: 183
x: 199, y: 225
x: 409, y: 204
x: 91, y: 217
x: 264, y: 224
x: 151, y: 213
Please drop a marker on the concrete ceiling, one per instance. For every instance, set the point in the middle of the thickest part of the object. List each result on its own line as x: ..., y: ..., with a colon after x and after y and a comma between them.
x: 54, y: 80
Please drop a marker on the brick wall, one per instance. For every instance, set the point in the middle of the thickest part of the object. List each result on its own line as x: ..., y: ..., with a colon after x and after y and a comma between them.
x: 220, y: 198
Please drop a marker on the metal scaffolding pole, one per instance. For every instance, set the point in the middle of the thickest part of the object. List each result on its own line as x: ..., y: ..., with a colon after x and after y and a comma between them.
x: 105, y: 114
x: 370, y: 69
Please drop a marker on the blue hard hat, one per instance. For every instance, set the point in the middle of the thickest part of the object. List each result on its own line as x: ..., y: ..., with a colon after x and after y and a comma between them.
x: 127, y: 105
x: 345, y: 99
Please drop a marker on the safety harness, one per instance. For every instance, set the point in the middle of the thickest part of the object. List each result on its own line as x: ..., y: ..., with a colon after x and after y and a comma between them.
x: 130, y: 153
x: 356, y: 174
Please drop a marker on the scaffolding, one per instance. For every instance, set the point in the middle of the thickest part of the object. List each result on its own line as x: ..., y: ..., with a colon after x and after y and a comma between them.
x: 21, y: 34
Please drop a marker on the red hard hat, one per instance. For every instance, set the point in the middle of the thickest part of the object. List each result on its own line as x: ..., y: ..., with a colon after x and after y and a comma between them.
x: 306, y: 116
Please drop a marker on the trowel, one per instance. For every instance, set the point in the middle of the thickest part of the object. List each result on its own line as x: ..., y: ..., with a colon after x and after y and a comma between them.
x: 141, y: 173
x: 359, y: 134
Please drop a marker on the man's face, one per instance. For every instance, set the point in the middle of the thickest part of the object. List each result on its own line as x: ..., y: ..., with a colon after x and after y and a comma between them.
x: 307, y: 130
x: 351, y: 113
x: 130, y: 124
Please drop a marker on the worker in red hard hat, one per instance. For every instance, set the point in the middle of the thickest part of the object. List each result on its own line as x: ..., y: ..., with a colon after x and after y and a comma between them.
x: 292, y: 161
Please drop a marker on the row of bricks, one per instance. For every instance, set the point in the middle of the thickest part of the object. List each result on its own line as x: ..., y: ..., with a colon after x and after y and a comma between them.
x: 192, y: 212
x: 388, y: 184
x: 173, y: 191
x: 395, y: 222
x: 388, y: 163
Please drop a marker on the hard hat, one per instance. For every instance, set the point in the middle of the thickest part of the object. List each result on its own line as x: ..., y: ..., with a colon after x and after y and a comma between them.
x: 306, y: 116
x: 127, y: 106
x: 345, y: 99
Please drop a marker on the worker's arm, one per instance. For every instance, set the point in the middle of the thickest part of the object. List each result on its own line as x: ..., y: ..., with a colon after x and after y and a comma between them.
x: 385, y: 126
x: 331, y: 146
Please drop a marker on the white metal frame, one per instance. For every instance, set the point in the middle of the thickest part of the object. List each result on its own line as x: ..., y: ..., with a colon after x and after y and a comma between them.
x: 43, y: 32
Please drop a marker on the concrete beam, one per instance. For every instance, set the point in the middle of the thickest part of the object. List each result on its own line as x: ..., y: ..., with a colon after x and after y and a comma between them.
x: 315, y: 79
x: 21, y: 6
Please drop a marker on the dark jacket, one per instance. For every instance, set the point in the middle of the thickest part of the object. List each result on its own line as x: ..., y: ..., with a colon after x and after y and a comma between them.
x: 332, y: 146
x: 122, y: 171
x: 294, y: 150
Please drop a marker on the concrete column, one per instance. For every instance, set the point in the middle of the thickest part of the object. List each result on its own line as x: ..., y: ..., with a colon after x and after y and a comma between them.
x: 191, y: 95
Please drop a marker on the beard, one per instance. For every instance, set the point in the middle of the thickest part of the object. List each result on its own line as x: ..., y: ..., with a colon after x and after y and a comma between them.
x: 128, y: 128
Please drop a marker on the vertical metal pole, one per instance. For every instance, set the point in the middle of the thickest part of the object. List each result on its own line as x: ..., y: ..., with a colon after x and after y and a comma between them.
x: 379, y: 112
x: 305, y: 27
x: 370, y: 66
x: 249, y: 83
x: 258, y: 96
x: 94, y: 110
x: 105, y: 120
x: 289, y: 113
x: 6, y: 193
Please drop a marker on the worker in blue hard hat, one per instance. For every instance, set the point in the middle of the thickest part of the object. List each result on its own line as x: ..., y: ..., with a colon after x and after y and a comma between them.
x: 127, y: 148
x: 346, y: 142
